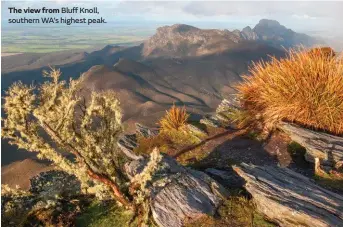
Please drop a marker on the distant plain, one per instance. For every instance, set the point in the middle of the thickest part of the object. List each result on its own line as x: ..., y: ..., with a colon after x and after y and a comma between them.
x: 37, y: 40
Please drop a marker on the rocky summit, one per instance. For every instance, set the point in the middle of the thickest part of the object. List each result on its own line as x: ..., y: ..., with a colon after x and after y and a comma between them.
x: 182, y: 40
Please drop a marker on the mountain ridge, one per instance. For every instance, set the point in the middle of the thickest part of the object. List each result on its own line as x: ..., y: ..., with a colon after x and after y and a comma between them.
x: 181, y: 40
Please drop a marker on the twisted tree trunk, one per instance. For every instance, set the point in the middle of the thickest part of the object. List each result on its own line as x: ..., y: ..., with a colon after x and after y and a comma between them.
x: 117, y: 193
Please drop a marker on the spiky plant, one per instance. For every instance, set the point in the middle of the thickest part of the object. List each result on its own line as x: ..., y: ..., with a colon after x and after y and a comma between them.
x: 306, y: 87
x: 175, y: 119
x: 54, y: 118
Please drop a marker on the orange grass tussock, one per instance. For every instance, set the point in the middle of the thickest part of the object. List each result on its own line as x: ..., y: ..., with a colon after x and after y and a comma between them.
x: 306, y: 87
x: 175, y: 119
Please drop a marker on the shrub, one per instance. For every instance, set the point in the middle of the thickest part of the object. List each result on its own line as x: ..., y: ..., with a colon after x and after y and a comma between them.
x: 54, y: 117
x: 175, y: 118
x: 306, y: 87
x: 326, y: 51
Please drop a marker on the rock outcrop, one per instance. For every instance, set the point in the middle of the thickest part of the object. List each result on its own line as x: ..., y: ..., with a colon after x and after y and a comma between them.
x: 249, y: 34
x: 145, y: 131
x: 291, y: 199
x: 177, y: 193
x: 272, y: 32
x: 128, y: 143
x: 220, y: 118
x: 328, y: 148
x: 180, y: 40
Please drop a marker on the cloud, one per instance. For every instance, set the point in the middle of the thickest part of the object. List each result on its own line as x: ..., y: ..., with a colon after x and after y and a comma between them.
x: 300, y: 16
x: 252, y: 8
x: 304, y: 16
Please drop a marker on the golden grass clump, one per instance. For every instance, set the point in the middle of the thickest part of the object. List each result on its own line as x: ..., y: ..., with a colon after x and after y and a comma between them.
x: 306, y: 87
x: 327, y: 51
x: 175, y: 119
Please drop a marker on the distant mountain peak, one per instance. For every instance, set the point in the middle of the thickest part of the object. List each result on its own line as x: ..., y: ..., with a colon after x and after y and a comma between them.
x: 275, y: 34
x: 183, y: 28
x: 176, y: 28
x: 247, y: 28
x: 268, y: 27
x: 181, y: 40
x: 268, y: 22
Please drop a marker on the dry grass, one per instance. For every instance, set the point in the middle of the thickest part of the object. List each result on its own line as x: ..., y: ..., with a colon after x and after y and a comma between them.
x: 328, y: 51
x: 306, y: 87
x: 167, y: 142
x: 146, y: 145
x: 175, y: 119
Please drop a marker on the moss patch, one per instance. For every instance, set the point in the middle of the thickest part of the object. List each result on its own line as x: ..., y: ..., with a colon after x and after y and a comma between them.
x: 296, y: 150
x: 235, y: 211
x: 100, y: 214
x: 332, y: 180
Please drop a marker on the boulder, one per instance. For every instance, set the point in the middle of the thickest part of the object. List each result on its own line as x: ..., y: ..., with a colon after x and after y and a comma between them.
x: 289, y: 198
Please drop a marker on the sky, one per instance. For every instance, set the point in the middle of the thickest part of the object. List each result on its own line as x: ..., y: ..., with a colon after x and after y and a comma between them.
x: 322, y: 18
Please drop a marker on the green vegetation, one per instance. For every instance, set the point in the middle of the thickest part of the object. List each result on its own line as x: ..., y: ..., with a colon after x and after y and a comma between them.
x: 235, y: 211
x: 296, y: 150
x: 51, y: 39
x: 306, y: 87
x: 237, y: 116
x: 253, y: 135
x: 101, y: 214
x: 168, y: 141
x: 332, y: 180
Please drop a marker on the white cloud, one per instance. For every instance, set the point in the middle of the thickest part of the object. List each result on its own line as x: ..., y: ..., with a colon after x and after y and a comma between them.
x: 304, y: 16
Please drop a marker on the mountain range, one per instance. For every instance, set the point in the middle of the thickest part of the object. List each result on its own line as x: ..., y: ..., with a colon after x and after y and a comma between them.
x: 180, y: 64
x: 181, y: 40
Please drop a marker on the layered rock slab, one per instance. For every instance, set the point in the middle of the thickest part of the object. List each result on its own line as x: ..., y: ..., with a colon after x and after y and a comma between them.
x: 289, y: 198
x: 328, y: 148
x: 179, y: 194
